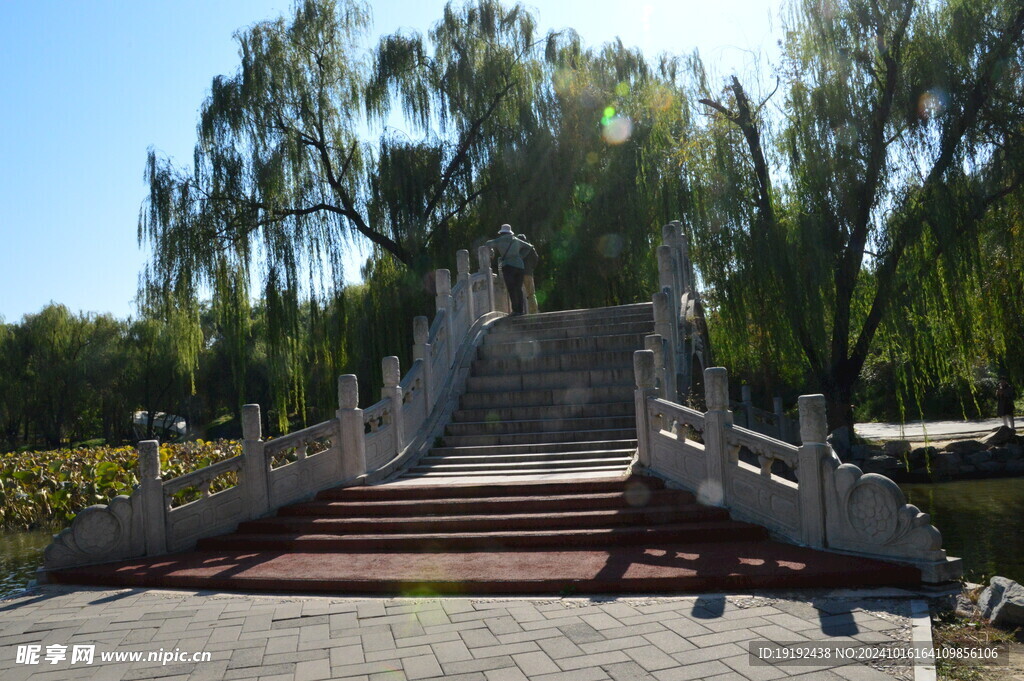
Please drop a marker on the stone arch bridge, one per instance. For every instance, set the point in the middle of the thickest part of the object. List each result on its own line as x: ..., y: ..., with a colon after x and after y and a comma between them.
x: 541, y: 454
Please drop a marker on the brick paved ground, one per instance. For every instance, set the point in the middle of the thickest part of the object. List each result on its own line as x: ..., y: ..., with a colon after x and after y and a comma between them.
x: 572, y: 639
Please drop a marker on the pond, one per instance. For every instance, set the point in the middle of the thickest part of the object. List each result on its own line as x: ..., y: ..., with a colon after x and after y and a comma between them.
x: 20, y: 554
x: 982, y: 521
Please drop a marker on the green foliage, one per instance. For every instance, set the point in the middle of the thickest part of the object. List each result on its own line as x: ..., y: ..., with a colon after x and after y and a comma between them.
x: 852, y: 215
x: 47, y: 488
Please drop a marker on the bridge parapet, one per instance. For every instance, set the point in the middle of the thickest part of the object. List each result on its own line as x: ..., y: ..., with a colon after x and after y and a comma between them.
x: 355, y: 446
x: 830, y: 505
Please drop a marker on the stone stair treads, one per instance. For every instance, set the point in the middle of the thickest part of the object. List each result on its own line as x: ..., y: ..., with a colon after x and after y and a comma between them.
x: 583, y: 537
x: 552, y: 386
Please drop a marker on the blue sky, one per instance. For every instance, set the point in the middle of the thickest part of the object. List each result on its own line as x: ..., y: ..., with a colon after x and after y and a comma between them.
x: 87, y: 87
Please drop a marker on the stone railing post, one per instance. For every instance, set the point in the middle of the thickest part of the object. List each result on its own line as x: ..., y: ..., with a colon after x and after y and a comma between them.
x: 780, y: 419
x: 671, y: 236
x: 664, y: 326
x: 483, y: 257
x: 350, y: 425
x: 421, y: 351
x: 814, y: 451
x: 656, y: 344
x: 644, y: 373
x: 666, y: 271
x: 443, y: 301
x: 254, y: 463
x: 393, y: 391
x: 717, y: 453
x: 154, y: 509
x: 462, y: 267
x: 747, y: 407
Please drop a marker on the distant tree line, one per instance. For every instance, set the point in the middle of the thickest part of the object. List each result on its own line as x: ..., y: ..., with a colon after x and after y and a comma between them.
x: 855, y: 215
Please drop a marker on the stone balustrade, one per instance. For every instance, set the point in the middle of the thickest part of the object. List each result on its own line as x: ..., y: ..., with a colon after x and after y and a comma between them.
x: 356, y: 446
x: 831, y: 505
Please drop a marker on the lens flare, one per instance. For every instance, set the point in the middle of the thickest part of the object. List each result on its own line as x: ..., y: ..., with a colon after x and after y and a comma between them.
x: 618, y: 130
x: 622, y: 89
x: 931, y: 103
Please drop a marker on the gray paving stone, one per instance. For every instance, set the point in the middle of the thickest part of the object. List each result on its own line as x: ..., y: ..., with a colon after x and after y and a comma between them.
x: 263, y: 670
x: 581, y: 633
x: 342, y: 656
x: 590, y: 674
x: 552, y: 623
x: 535, y: 663
x: 505, y: 624
x: 529, y: 636
x: 525, y: 613
x: 365, y: 668
x: 669, y: 641
x: 601, y: 620
x: 719, y: 652
x: 559, y: 647
x: 421, y: 667
x: 700, y: 670
x: 792, y: 622
x: 506, y: 674
x: 283, y: 644
x: 736, y: 623
x: 451, y: 651
x: 774, y: 632
x: 504, y: 649
x: 593, y: 660
x: 723, y: 637
x: 651, y: 658
x: 481, y: 665
x: 615, y: 644
x: 628, y: 671
x: 476, y: 638
x: 741, y: 663
x: 397, y: 653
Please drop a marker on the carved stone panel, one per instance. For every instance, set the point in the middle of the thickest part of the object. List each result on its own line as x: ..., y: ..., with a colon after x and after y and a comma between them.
x: 98, y: 534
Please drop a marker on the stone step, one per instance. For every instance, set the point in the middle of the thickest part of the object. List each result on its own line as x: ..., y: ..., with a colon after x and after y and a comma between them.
x: 509, y: 335
x: 529, y: 490
x: 587, y: 314
x: 565, y: 519
x: 678, y: 533
x: 539, y: 425
x: 556, y: 346
x: 584, y: 378
x: 538, y: 438
x: 693, y: 568
x: 540, y: 470
x: 530, y: 322
x: 547, y: 397
x: 621, y: 460
x: 536, y: 457
x: 575, y: 361
x: 591, y: 501
x: 542, y: 448
x: 560, y: 411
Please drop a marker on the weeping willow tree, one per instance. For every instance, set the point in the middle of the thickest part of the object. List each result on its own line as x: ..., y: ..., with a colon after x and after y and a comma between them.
x: 846, y: 202
x: 282, y: 183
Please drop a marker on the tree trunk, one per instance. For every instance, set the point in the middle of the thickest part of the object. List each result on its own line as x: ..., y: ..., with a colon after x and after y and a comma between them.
x: 838, y: 390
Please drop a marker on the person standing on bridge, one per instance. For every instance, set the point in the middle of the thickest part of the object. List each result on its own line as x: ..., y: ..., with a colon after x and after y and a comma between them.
x: 510, y: 250
x: 530, y: 260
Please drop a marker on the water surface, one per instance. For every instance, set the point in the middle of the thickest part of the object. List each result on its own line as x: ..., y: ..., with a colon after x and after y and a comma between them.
x: 982, y: 521
x: 20, y: 554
